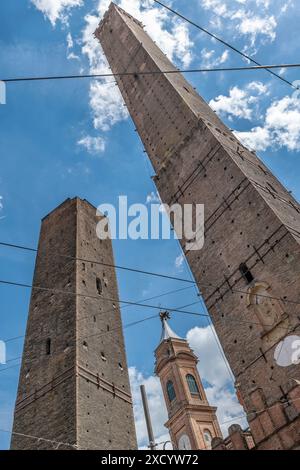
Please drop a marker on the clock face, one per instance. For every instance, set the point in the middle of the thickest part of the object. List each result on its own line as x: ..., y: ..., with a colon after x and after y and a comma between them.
x: 184, y: 443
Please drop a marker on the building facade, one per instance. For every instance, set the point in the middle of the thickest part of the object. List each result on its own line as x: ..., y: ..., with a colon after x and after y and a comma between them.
x: 192, y: 422
x: 74, y: 388
x: 248, y: 270
x: 237, y: 439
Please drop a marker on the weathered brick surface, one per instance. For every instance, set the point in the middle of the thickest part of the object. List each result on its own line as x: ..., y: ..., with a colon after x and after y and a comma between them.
x: 79, y: 394
x: 249, y: 216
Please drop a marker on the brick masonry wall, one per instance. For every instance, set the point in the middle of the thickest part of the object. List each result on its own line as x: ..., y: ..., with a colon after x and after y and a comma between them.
x: 40, y: 410
x: 105, y: 416
x: 249, y: 218
x: 72, y: 395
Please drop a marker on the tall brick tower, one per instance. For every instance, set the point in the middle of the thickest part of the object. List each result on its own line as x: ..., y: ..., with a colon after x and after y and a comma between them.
x: 74, y: 387
x: 250, y: 264
x: 192, y: 421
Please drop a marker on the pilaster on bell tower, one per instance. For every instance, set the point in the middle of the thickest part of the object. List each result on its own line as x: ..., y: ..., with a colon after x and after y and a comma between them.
x: 192, y: 421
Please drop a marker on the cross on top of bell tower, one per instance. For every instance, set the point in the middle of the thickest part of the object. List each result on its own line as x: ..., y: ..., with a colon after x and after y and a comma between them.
x: 167, y: 331
x: 164, y: 315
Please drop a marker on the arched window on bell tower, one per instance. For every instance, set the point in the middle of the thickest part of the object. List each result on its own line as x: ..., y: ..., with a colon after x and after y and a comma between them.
x: 207, y: 438
x: 171, y: 391
x: 193, y: 386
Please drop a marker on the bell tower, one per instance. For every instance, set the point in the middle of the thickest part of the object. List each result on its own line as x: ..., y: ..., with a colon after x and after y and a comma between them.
x: 192, y: 421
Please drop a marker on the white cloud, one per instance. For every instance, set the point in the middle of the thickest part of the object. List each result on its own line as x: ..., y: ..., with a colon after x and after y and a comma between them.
x: 211, y: 365
x: 1, y: 208
x: 280, y: 123
x: 257, y: 138
x: 106, y: 102
x: 179, y: 261
x: 157, y: 407
x: 253, y: 25
x: 209, y: 58
x: 106, y: 105
x: 76, y: 170
x: 219, y: 7
x: 153, y: 197
x: 229, y: 410
x: 70, y: 45
x: 286, y: 6
x: 236, y: 104
x: 240, y: 103
x: 281, y: 127
x: 56, y: 9
x: 263, y: 3
x: 253, y: 19
x: 259, y: 87
x: 212, y: 369
x: 94, y: 145
x: 168, y: 31
x: 70, y: 42
x: 91, y: 47
x: 223, y: 57
x: 180, y: 44
x: 283, y: 120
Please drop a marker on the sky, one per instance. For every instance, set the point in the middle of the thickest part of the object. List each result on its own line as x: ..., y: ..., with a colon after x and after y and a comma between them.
x: 75, y: 138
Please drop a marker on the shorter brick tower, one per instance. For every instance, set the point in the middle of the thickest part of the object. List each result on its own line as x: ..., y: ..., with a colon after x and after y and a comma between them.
x: 74, y: 388
x: 192, y: 421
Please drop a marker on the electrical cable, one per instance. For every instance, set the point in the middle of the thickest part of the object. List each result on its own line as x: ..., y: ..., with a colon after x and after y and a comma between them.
x: 129, y: 325
x: 149, y: 273
x: 155, y: 72
x: 225, y: 43
x: 112, y: 310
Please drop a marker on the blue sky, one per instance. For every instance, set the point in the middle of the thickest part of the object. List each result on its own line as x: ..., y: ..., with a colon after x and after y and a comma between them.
x: 67, y: 138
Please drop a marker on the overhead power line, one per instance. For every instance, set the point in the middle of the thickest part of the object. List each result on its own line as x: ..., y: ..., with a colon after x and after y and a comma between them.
x: 124, y: 268
x: 11, y: 367
x: 236, y: 418
x: 29, y: 436
x: 155, y: 72
x: 126, y: 302
x: 147, y: 273
x: 96, y: 297
x: 14, y: 338
x: 225, y: 43
x: 100, y: 334
x: 122, y: 307
x: 255, y: 413
x: 177, y: 310
x: 126, y: 326
x: 209, y: 320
